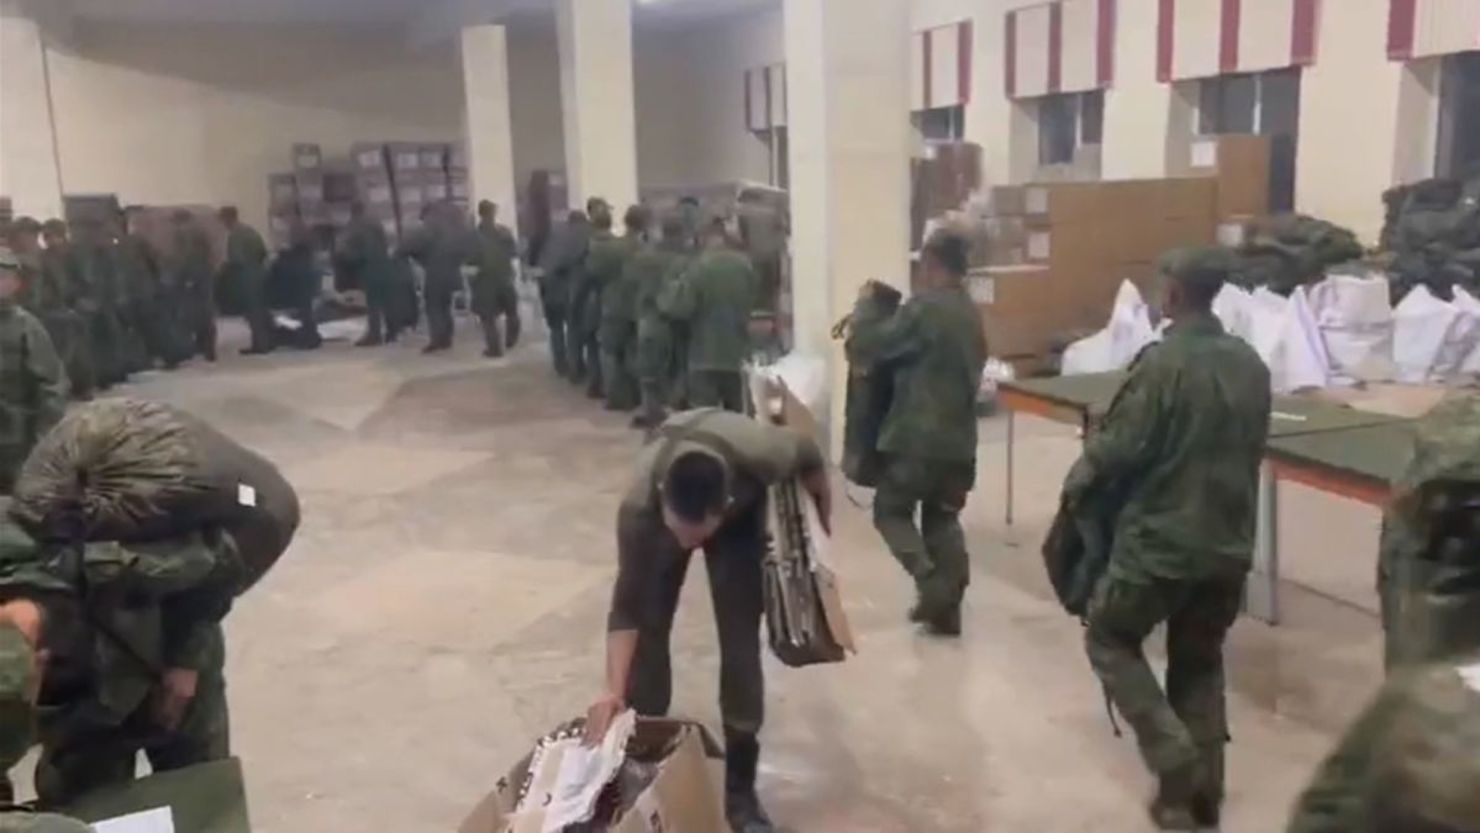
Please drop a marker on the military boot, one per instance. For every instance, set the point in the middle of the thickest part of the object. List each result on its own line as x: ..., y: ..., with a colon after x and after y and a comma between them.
x: 1171, y: 809
x: 742, y: 806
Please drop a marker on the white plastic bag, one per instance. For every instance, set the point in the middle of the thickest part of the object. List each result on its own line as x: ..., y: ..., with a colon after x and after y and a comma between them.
x: 1114, y: 347
x: 1355, y: 317
x: 1459, y: 341
x: 1422, y: 326
x: 1232, y: 308
x: 1283, y: 331
x: 1470, y: 365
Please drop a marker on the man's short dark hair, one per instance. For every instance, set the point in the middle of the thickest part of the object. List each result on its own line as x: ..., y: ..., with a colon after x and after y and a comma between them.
x: 694, y: 486
x: 229, y: 213
x: 950, y: 250
x: 486, y: 207
x: 1199, y: 272
x: 637, y: 218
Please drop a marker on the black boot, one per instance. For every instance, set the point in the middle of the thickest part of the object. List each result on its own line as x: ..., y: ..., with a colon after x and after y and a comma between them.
x: 1171, y: 809
x: 1207, y: 800
x: 742, y: 806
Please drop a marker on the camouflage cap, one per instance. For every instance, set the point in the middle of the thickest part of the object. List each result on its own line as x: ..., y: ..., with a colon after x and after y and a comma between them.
x: 1428, y: 759
x: 1199, y: 262
x: 17, y: 684
x: 1446, y: 445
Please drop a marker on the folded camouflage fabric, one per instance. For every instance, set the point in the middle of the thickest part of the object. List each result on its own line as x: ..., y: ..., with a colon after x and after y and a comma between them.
x: 131, y: 470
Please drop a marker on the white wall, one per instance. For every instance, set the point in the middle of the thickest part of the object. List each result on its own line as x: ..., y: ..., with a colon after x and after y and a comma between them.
x: 534, y: 98
x: 167, y: 114
x: 1349, y: 105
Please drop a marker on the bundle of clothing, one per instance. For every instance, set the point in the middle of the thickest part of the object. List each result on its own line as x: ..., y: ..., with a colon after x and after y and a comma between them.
x: 1431, y: 237
x: 1291, y: 250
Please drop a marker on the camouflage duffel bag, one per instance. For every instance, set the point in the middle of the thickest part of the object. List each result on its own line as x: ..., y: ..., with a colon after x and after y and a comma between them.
x: 132, y: 470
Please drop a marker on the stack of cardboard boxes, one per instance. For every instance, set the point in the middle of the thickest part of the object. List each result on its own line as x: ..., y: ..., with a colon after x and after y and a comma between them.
x: 374, y: 186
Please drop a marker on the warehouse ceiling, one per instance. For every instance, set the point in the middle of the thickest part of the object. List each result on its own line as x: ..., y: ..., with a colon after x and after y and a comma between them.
x: 373, y: 12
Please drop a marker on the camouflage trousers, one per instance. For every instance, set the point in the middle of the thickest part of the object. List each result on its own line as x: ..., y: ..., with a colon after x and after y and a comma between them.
x: 1185, y: 726
x: 73, y: 764
x: 654, y: 363
x: 618, y: 349
x: 934, y: 551
x: 717, y: 389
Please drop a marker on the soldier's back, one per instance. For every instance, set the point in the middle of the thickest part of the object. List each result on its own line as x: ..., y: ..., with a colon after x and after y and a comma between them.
x: 25, y: 822
x: 723, y: 285
x: 933, y: 414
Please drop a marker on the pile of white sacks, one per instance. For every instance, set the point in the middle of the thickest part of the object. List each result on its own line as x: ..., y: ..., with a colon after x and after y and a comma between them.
x: 1339, y: 332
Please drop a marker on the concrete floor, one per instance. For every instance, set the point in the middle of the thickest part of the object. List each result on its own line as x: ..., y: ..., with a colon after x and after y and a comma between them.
x: 444, y: 604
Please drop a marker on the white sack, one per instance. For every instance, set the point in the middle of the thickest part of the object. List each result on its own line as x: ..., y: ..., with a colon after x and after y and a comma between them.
x: 1355, y: 317
x: 1422, y: 326
x: 1113, y: 348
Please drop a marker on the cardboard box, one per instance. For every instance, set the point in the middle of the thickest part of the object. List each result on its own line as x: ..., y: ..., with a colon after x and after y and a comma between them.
x: 403, y: 156
x: 1008, y: 201
x: 307, y: 157
x: 434, y: 157
x: 436, y: 191
x: 1243, y: 176
x: 681, y: 799
x: 310, y: 187
x: 368, y: 156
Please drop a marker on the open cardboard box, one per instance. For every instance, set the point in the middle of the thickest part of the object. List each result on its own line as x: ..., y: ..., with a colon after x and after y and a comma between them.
x: 681, y: 799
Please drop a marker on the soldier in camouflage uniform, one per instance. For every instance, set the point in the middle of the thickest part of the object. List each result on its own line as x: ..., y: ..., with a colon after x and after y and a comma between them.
x: 20, y: 678
x: 138, y: 266
x: 245, y: 268
x: 562, y: 263
x: 613, y: 269
x: 366, y: 253
x: 33, y: 384
x: 57, y: 300
x: 934, y: 349
x: 494, y: 295
x: 1411, y: 762
x: 604, y: 254
x: 142, y: 669
x: 193, y: 279
x: 97, y: 302
x: 441, y: 248
x: 1182, y: 442
x: 714, y: 300
x: 650, y: 272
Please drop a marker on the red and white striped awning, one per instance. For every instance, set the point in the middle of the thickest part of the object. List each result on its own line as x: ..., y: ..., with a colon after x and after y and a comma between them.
x: 1202, y: 38
x: 1066, y: 46
x: 941, y: 67
x: 1422, y: 28
x: 765, y: 97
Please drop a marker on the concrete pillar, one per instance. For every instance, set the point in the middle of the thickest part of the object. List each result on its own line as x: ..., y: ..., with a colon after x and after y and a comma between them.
x: 29, y: 171
x: 488, y: 125
x: 1138, y: 108
x: 596, y: 92
x: 847, y: 67
x: 1352, y: 138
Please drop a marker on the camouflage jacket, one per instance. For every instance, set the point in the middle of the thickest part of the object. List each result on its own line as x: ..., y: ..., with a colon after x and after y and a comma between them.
x: 246, y: 255
x: 191, y: 265
x: 137, y: 268
x: 715, y: 297
x: 33, y: 383
x: 563, y: 260
x: 610, y: 267
x: 1184, y: 440
x: 649, y: 271
x: 496, y: 249
x: 1410, y: 762
x: 63, y: 282
x: 440, y: 251
x: 934, y: 349
x: 366, y: 251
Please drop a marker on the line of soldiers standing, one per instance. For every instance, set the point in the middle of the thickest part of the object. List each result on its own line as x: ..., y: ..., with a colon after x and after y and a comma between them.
x: 649, y: 324
x: 110, y: 303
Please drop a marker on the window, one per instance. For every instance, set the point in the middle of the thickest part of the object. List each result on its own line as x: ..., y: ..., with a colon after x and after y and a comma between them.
x: 1067, y: 122
x: 1261, y: 103
x: 778, y: 155
x: 1459, y: 115
x: 940, y: 124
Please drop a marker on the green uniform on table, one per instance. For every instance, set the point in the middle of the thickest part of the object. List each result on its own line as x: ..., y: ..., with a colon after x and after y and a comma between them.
x: 366, y: 252
x: 612, y: 270
x: 562, y: 262
x: 245, y: 268
x: 1180, y: 448
x: 714, y: 300
x: 651, y: 270
x: 193, y: 279
x: 933, y: 348
x: 441, y: 250
x: 33, y: 383
x: 494, y: 295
